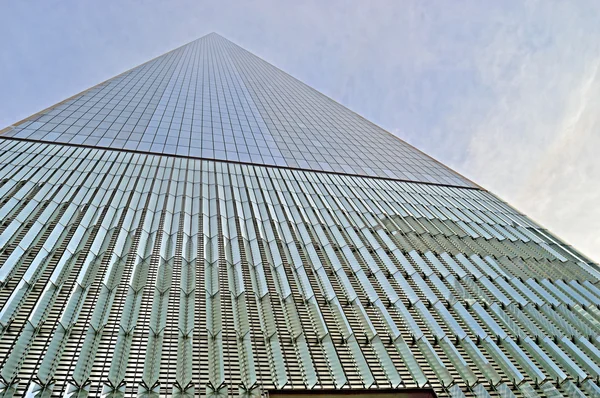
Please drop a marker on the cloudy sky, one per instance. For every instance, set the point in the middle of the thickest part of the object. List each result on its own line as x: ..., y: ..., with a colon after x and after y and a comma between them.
x: 505, y: 92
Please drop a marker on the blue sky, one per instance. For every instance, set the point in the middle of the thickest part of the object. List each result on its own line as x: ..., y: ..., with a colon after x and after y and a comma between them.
x: 505, y: 92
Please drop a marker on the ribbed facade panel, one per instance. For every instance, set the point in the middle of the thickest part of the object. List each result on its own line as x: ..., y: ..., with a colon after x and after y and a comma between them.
x: 125, y: 273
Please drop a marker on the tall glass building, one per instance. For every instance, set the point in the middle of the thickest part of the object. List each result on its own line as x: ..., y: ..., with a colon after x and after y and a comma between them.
x: 206, y: 225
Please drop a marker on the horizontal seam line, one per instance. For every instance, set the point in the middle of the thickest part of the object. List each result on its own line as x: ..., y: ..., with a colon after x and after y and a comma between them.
x: 477, y: 188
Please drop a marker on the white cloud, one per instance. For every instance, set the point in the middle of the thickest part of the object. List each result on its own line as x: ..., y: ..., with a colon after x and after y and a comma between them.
x: 537, y: 144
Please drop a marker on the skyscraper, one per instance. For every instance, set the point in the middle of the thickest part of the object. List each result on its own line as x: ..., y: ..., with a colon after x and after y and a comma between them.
x: 206, y: 225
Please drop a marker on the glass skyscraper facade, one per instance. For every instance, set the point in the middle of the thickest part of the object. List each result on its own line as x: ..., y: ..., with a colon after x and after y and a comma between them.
x: 206, y: 225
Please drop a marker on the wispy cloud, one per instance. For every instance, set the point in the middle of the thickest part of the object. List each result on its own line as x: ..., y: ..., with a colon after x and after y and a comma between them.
x: 535, y: 144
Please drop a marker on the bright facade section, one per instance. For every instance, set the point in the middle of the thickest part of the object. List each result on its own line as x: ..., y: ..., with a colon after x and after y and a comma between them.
x: 214, y: 100
x: 139, y: 271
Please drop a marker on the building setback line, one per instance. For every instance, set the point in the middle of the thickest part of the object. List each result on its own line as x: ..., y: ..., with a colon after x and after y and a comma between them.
x: 475, y: 188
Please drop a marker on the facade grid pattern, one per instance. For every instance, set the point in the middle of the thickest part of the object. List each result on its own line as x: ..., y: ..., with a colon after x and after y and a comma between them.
x: 214, y: 228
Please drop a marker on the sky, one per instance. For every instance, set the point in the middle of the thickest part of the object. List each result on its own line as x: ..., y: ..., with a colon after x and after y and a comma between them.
x: 507, y: 93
